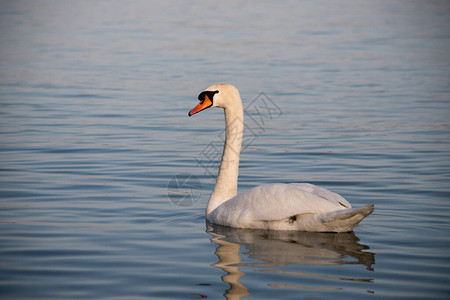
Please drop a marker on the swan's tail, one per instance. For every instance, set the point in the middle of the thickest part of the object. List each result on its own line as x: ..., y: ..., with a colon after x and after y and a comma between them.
x: 346, y: 219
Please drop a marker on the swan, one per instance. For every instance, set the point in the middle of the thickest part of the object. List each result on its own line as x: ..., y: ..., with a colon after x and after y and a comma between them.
x: 274, y: 206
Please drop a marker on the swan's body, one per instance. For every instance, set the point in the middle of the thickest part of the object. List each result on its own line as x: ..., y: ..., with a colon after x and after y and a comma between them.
x: 279, y: 206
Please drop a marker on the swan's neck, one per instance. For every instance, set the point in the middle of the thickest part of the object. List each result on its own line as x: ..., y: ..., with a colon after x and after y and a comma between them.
x: 226, y: 182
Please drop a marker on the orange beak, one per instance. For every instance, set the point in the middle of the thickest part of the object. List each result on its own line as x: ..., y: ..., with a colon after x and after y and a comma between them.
x: 201, y: 106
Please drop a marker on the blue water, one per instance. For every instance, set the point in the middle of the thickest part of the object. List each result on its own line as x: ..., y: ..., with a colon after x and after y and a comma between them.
x: 350, y: 95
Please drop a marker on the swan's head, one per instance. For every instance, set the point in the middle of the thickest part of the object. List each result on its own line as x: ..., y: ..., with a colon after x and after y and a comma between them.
x: 217, y: 95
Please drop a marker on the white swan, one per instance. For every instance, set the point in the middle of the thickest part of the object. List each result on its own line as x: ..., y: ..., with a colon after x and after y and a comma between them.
x: 279, y: 206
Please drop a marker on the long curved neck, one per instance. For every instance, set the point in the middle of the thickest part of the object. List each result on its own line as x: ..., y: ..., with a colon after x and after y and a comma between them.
x: 227, y: 178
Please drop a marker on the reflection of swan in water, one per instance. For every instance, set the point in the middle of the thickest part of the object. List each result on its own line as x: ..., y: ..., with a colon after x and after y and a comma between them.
x: 281, y: 248
x: 229, y: 260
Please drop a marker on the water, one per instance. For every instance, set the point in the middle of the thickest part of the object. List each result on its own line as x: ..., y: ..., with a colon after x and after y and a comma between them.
x: 94, y: 98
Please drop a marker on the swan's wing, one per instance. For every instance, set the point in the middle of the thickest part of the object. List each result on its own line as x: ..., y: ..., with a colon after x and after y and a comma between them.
x: 334, y: 198
x: 270, y: 202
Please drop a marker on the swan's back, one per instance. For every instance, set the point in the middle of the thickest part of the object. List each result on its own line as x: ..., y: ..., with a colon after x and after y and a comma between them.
x: 294, y: 206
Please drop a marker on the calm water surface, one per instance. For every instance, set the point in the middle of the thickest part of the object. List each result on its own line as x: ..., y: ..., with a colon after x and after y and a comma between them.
x: 94, y: 98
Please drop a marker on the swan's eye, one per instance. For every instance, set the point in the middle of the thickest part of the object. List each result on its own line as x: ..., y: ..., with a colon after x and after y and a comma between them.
x: 209, y: 94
